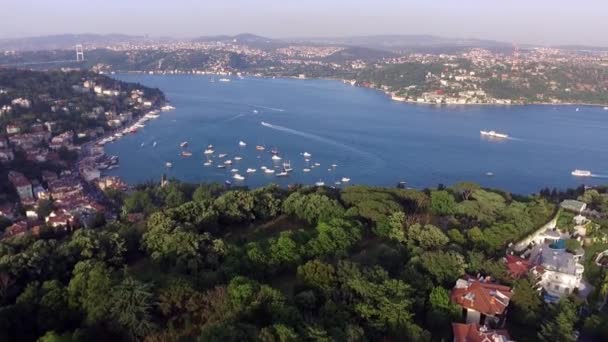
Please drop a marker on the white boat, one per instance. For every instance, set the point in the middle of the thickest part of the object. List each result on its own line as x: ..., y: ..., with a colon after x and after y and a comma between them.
x: 287, y: 167
x: 183, y: 144
x: 238, y: 177
x: 581, y: 173
x: 242, y: 143
x: 275, y: 157
x: 605, y: 108
x: 283, y: 174
x: 186, y: 154
x: 263, y: 168
x: 234, y: 170
x: 168, y: 164
x: 207, y: 163
x: 320, y: 183
x: 337, y: 183
x: 494, y: 134
x: 306, y: 155
x: 167, y: 108
x: 345, y: 179
x: 224, y: 80
x: 317, y: 164
x: 221, y: 166
x: 228, y: 162
x: 154, y: 144
x: 334, y: 165
x: 238, y: 158
x: 270, y: 171
x: 208, y: 151
x: 489, y: 174
x: 143, y: 144
x: 250, y: 170
x: 306, y: 170
x: 222, y: 155
x: 577, y: 109
x: 255, y: 111
x: 260, y: 148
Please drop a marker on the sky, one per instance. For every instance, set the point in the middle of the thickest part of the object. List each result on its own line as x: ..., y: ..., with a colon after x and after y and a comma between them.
x: 544, y: 22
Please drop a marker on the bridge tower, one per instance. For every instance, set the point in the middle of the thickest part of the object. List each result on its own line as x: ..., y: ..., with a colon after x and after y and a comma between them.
x: 79, y: 53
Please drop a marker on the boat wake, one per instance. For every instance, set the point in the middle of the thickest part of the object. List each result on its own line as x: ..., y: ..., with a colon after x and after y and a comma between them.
x: 310, y: 136
x: 599, y: 176
x: 269, y: 108
x: 234, y: 118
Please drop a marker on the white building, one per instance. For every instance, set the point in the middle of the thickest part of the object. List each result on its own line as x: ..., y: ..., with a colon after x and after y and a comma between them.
x: 560, y: 271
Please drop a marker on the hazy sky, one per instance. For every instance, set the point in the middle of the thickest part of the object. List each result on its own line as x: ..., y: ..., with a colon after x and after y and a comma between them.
x: 522, y: 21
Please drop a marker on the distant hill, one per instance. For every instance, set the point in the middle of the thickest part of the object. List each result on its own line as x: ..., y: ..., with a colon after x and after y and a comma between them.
x: 355, y: 52
x: 68, y: 41
x: 400, y: 43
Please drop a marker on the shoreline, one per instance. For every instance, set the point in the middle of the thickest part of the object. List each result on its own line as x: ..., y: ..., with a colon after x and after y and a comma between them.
x: 349, y: 82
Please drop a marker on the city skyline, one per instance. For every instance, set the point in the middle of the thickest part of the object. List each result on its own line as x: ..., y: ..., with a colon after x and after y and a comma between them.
x: 543, y: 22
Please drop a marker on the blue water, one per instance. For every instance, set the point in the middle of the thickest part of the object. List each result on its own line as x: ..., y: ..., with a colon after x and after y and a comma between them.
x: 372, y: 139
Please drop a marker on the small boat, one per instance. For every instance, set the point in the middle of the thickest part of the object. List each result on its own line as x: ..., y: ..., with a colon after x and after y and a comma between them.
x: 489, y: 174
x: 494, y: 134
x: 263, y: 168
x: 577, y: 109
x: 287, y: 167
x: 154, y: 144
x: 186, y: 154
x: 221, y: 166
x: 234, y: 170
x: 222, y: 155
x: 581, y: 173
x: 337, y: 183
x: 274, y: 150
x: 210, y: 146
x: 183, y: 144
x: 143, y: 144
x: 334, y: 165
x: 275, y: 157
x: 242, y: 143
x: 250, y: 170
x: 268, y: 171
x: 228, y: 162
x: 255, y: 111
x: 168, y: 164
x: 228, y: 183
x: 317, y: 164
x: 320, y: 183
x: 605, y: 108
x: 260, y: 148
x: 283, y: 174
x: 306, y: 170
x: 207, y: 163
x: 224, y: 80
x: 208, y: 151
x: 306, y: 155
x: 238, y: 177
x: 238, y: 158
x: 345, y: 179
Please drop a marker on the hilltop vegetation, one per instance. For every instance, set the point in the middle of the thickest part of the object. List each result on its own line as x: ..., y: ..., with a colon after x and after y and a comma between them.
x: 208, y: 263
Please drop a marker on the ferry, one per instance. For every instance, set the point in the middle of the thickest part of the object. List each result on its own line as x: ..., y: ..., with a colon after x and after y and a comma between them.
x: 345, y: 179
x: 275, y: 157
x: 238, y: 177
x: 183, y: 144
x: 494, y: 134
x: 186, y: 154
x: 242, y: 143
x: 250, y: 170
x: 168, y: 164
x: 581, y: 173
x: 260, y: 148
x: 208, y: 151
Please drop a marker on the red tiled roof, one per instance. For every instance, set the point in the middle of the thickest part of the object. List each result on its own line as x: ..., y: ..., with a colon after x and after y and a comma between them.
x: 476, y: 333
x: 517, y: 267
x: 489, y: 299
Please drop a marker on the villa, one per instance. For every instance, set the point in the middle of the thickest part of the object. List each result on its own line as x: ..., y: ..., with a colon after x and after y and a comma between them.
x: 559, y: 271
x: 483, y: 303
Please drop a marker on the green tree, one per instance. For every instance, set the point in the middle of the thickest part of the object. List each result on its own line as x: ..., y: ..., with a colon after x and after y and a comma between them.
x: 558, y: 325
x: 442, y: 203
x: 131, y: 306
x: 334, y: 238
x: 427, y: 237
x: 89, y: 290
x: 317, y: 275
x: 445, y: 267
x: 465, y: 189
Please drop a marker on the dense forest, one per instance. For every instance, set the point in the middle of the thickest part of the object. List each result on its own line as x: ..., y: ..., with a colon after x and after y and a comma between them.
x: 209, y: 263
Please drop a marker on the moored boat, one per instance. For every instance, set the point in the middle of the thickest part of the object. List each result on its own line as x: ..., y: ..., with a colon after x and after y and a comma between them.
x: 581, y: 173
x: 183, y: 144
